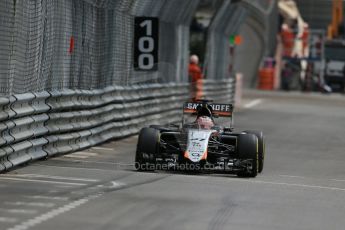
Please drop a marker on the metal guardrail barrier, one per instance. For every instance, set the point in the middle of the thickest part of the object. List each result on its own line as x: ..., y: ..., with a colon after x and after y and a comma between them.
x: 35, y: 126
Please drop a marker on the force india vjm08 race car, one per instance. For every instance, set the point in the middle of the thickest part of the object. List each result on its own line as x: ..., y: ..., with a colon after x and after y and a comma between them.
x: 201, y: 144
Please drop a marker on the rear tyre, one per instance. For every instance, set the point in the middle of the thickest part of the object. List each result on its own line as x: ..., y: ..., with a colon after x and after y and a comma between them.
x: 247, y: 146
x: 261, y: 146
x: 147, y: 149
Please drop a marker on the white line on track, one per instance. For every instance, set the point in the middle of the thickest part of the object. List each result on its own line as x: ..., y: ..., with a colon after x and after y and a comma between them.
x: 75, y: 156
x: 7, y: 219
x: 115, y: 184
x: 255, y: 181
x: 70, y: 167
x: 293, y: 176
x: 302, y: 177
x: 252, y: 103
x: 291, y: 184
x: 103, y: 148
x: 81, y: 155
x: 49, y: 215
x: 19, y: 211
x: 58, y: 198
x: 31, y: 204
x: 338, y: 180
x: 84, y: 154
x: 64, y: 186
x: 31, y: 223
x: 97, y: 162
x: 54, y: 177
x: 40, y: 181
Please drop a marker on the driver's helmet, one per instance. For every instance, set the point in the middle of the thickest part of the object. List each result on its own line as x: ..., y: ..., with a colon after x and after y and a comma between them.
x: 204, y: 110
x: 205, y: 122
x: 204, y: 117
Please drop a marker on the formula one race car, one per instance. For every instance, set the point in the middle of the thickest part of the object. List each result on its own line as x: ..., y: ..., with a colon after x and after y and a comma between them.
x: 201, y: 144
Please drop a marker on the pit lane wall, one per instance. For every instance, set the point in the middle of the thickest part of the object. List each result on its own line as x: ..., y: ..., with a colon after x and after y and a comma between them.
x: 66, y: 76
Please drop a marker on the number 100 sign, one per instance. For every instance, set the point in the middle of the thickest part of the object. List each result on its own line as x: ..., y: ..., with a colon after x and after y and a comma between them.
x: 146, y: 43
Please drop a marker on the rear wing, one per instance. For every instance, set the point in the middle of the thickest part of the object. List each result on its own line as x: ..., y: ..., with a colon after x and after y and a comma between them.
x: 220, y: 110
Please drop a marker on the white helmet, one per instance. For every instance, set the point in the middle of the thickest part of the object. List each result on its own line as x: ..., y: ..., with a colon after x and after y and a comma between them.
x: 194, y: 59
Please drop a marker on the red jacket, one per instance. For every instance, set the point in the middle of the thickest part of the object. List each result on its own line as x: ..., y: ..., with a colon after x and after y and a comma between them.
x: 194, y: 72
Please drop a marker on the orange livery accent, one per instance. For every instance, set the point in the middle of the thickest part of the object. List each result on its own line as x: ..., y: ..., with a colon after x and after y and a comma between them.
x: 224, y: 114
x: 189, y: 110
x: 204, y: 156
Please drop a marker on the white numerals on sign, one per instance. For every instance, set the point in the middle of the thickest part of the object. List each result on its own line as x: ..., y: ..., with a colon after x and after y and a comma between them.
x: 146, y: 61
x: 148, y: 25
x: 146, y: 46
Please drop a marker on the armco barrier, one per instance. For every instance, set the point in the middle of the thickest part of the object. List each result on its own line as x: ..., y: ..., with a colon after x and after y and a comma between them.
x: 39, y: 103
x: 36, y: 151
x: 44, y: 124
x: 22, y: 105
x: 3, y: 113
x: 6, y: 111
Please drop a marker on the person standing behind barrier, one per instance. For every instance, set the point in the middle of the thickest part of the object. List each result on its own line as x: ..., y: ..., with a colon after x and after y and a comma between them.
x: 195, y: 78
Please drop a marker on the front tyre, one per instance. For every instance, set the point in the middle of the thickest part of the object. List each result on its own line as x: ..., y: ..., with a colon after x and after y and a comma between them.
x: 247, y: 147
x: 261, y: 146
x: 147, y: 149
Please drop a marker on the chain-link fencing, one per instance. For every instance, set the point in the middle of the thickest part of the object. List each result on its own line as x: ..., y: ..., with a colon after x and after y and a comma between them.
x: 259, y: 32
x: 225, y: 23
x: 85, y: 44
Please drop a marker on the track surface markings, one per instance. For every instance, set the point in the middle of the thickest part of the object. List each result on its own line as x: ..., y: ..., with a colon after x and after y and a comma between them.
x: 19, y: 211
x: 73, y: 168
x: 252, y: 103
x: 49, y: 215
x: 81, y: 155
x: 303, y: 177
x: 97, y: 162
x: 103, y: 148
x: 41, y: 181
x: 7, y: 219
x: 63, y: 209
x: 291, y: 184
x: 31, y: 204
x: 55, y: 177
x: 57, y: 198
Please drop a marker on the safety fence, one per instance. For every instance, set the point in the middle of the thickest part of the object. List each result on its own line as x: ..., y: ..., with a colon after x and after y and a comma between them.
x: 45, y: 124
x: 259, y: 32
x: 263, y: 17
x: 225, y: 23
x: 87, y: 44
